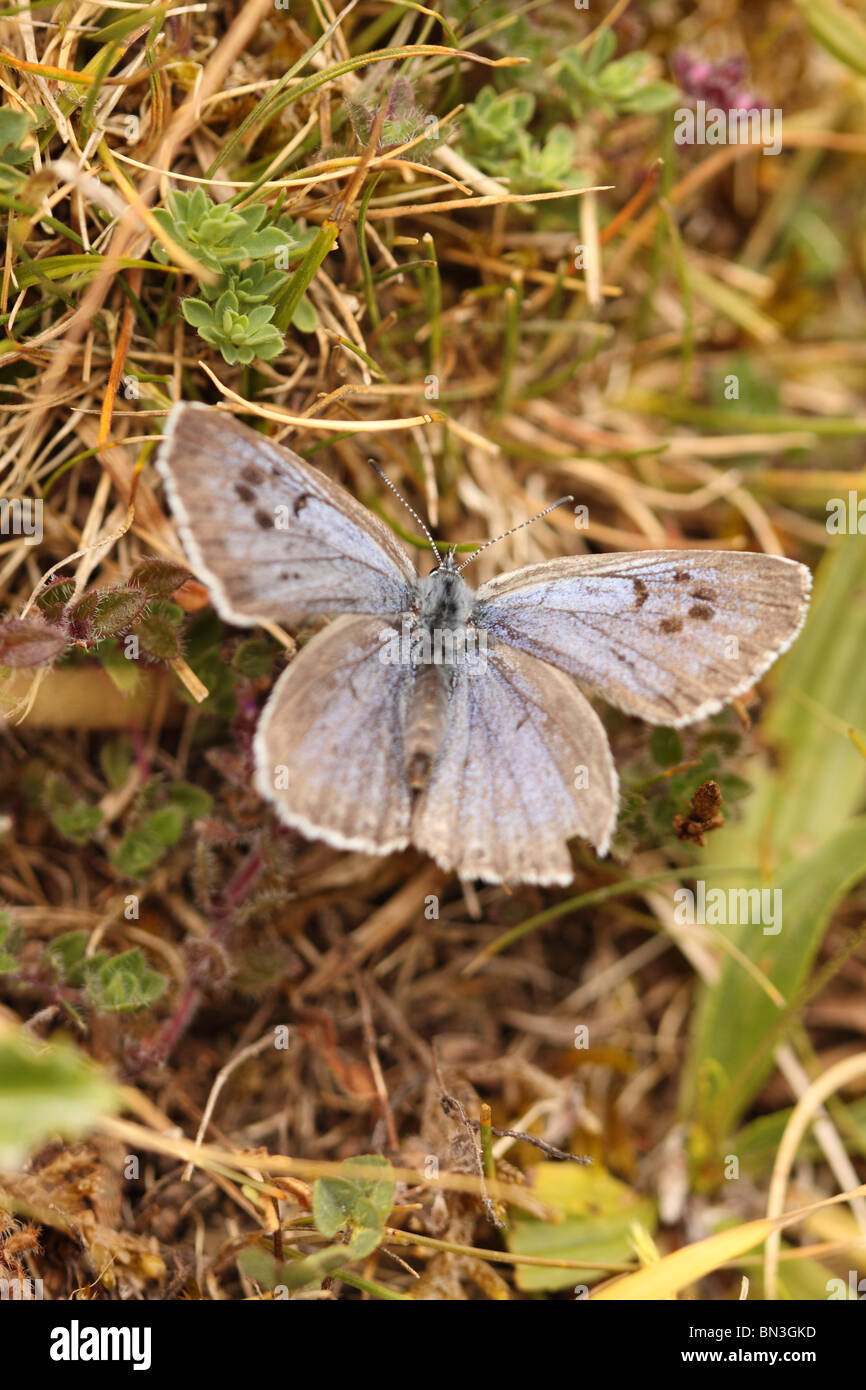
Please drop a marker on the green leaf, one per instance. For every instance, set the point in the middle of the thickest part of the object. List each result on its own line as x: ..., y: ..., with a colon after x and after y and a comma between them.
x: 193, y: 802
x: 619, y: 79
x: 254, y: 658
x: 196, y: 312
x: 14, y: 125
x: 599, y: 1213
x: 55, y: 596
x: 124, y: 983
x: 137, y: 853
x: 119, y: 28
x: 78, y: 821
x: 362, y: 1204
x: 305, y: 317
x: 10, y: 943
x: 115, y: 760
x: 123, y: 671
x: 602, y: 50
x: 116, y: 611
x: 158, y: 637
x: 157, y: 577
x: 165, y: 825
x: 666, y: 747
x: 46, y: 1089
x: 66, y: 956
x: 655, y: 96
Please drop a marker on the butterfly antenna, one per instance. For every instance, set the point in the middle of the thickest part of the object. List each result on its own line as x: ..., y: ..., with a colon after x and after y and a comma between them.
x: 411, y: 510
x: 496, y: 539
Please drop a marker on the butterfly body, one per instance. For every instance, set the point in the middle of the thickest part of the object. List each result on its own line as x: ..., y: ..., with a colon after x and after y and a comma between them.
x: 439, y: 636
x: 452, y: 718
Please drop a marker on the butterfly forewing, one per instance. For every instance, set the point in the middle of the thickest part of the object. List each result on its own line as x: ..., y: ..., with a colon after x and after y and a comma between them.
x: 524, y: 766
x: 272, y: 537
x: 329, y: 745
x: 668, y: 635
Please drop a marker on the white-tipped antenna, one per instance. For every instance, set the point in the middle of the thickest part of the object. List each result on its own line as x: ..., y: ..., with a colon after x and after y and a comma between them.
x: 496, y: 539
x: 424, y: 527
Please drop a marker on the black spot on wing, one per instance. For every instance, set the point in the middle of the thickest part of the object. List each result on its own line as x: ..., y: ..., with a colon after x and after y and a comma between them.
x: 264, y: 519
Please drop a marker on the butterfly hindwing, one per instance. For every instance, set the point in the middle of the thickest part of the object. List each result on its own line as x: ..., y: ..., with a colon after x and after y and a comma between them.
x: 329, y: 744
x: 524, y: 766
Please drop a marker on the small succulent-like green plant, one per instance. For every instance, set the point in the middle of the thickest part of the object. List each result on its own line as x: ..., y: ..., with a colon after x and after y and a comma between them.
x: 154, y: 833
x: 240, y: 336
x: 499, y: 143
x: 496, y: 126
x: 234, y: 314
x: 216, y: 234
x: 543, y: 168
x: 255, y: 284
x: 595, y: 81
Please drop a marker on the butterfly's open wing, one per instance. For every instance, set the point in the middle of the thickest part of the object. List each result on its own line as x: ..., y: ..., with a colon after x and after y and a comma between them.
x: 272, y: 537
x: 329, y: 744
x: 667, y: 635
x: 524, y: 765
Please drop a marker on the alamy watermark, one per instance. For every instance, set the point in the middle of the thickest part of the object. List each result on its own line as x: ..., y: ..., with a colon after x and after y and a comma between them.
x: 21, y: 1290
x: 846, y: 516
x: 729, y: 907
x: 438, y: 646
x: 711, y: 125
x: 21, y: 516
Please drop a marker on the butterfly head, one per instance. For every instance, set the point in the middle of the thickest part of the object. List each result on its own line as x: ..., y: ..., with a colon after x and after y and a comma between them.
x: 446, y: 598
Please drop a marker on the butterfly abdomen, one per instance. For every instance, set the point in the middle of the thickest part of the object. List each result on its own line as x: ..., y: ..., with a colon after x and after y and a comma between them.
x: 438, y: 643
x: 425, y: 722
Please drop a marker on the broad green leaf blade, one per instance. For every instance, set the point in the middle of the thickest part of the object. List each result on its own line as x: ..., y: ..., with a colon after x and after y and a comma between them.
x: 46, y: 1089
x: 599, y: 1213
x: 822, y: 693
x: 734, y: 1035
x: 838, y: 29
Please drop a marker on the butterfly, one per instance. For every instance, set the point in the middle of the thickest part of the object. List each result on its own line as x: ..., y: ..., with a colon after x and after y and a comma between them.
x: 452, y: 718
